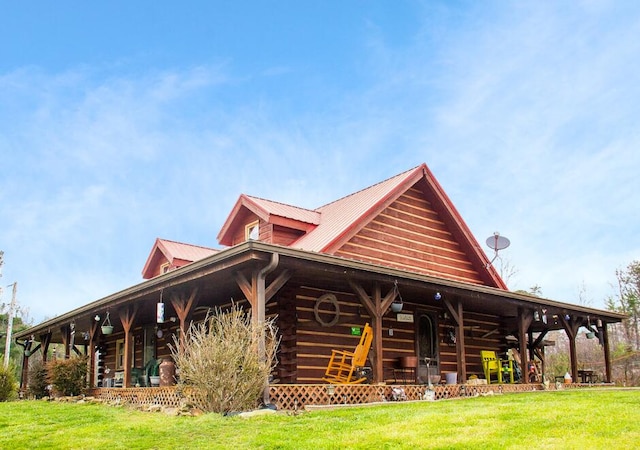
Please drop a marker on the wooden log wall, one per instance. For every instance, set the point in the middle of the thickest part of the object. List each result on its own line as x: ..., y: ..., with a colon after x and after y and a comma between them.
x: 410, y: 234
x: 306, y: 344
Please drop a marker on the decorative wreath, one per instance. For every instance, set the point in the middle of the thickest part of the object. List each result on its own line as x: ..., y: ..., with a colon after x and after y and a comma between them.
x: 327, y: 298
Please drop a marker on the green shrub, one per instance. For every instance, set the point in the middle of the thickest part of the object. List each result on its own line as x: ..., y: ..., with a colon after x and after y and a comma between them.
x: 68, y: 376
x: 221, y: 361
x: 8, y: 385
x: 37, y: 378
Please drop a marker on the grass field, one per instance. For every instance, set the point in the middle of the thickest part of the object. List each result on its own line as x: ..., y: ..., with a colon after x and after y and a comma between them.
x: 593, y: 419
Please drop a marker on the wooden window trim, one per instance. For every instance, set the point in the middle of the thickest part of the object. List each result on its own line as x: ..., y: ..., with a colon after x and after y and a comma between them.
x: 248, y: 230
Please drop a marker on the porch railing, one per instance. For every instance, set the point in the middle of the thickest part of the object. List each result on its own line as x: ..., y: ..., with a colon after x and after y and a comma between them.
x: 293, y: 397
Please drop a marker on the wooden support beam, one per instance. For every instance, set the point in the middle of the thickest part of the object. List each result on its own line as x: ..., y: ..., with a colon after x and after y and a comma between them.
x: 127, y: 317
x: 91, y: 352
x: 45, y: 340
x: 571, y: 328
x: 66, y: 340
x: 376, y: 306
x: 453, y: 312
x: 250, y: 288
x: 538, y: 342
x: 460, y: 345
x: 457, y: 315
x: 277, y: 284
x: 246, y: 288
x: 525, y: 317
x: 257, y: 293
x: 183, y: 306
x: 489, y: 333
x: 607, y: 352
x: 24, y: 374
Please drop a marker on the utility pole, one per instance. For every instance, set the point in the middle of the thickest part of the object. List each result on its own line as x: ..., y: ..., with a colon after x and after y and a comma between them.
x: 12, y: 309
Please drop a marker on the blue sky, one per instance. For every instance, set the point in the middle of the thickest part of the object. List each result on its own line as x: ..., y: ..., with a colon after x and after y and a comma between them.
x: 127, y: 121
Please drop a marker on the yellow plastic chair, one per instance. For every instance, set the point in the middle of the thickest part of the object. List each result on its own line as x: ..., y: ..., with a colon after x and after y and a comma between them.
x: 491, y: 365
x: 343, y: 365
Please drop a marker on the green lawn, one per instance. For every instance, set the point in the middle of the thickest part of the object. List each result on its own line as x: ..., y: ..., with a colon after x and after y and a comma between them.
x: 593, y: 419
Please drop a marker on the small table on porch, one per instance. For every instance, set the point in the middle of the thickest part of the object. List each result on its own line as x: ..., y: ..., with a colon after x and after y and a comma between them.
x: 586, y: 376
x: 402, y: 375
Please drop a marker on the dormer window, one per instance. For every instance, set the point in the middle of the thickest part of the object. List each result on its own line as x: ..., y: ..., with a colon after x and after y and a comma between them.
x: 164, y: 268
x: 252, y: 231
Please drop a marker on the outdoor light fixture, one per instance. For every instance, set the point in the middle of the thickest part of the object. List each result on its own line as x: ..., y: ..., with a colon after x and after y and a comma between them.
x: 536, y: 316
x: 331, y: 389
x: 97, y: 318
x: 438, y: 296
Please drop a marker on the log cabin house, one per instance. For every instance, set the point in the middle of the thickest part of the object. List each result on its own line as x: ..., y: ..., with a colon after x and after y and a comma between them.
x: 325, y: 273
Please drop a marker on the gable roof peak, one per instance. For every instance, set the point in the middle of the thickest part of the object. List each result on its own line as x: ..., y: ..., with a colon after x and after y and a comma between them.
x: 373, y: 186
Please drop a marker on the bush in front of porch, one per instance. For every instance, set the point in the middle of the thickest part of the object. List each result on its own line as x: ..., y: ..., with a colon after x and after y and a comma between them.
x: 68, y: 376
x: 221, y: 360
x: 8, y: 385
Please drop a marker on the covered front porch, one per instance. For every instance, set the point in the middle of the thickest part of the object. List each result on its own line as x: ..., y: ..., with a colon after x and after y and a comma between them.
x: 445, y: 321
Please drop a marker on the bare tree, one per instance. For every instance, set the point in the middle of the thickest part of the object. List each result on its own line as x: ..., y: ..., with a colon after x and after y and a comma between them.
x: 627, y: 301
x: 506, y: 270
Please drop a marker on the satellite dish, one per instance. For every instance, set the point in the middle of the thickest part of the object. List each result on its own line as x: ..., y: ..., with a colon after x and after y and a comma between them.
x: 497, y: 243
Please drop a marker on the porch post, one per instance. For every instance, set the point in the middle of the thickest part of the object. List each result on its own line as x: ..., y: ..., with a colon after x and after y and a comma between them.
x: 538, y: 349
x: 607, y: 351
x: 257, y: 293
x: 127, y: 317
x: 92, y: 354
x: 66, y: 339
x: 571, y: 328
x: 24, y: 373
x: 376, y: 306
x: 457, y: 314
x: 525, y: 317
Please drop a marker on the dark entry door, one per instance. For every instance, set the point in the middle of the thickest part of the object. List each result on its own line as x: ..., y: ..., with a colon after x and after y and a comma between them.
x: 427, y: 346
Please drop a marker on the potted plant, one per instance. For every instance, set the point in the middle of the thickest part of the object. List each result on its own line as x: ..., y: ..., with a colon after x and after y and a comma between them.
x: 154, y: 374
x: 106, y: 327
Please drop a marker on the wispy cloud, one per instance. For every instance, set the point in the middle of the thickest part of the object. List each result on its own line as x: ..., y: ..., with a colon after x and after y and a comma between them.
x: 526, y: 113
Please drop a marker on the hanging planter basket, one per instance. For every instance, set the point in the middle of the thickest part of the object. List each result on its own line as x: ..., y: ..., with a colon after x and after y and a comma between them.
x: 106, y: 327
x: 397, y: 304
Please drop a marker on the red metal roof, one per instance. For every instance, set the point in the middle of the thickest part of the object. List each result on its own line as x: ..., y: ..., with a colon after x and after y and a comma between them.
x: 176, y: 253
x: 265, y: 210
x: 269, y: 207
x: 335, y: 223
x: 347, y: 214
x: 186, y: 252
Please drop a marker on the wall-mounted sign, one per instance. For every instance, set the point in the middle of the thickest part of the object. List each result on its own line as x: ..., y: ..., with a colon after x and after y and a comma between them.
x: 356, y: 331
x: 408, y: 318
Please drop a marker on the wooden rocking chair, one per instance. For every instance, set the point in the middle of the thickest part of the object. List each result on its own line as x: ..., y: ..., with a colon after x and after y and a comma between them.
x: 491, y: 364
x: 344, y: 366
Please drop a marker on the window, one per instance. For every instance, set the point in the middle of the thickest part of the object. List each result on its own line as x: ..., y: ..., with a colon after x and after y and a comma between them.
x: 252, y: 231
x: 120, y: 354
x: 164, y: 268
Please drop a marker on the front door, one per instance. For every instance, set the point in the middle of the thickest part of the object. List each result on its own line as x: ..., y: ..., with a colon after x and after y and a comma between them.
x: 427, y: 351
